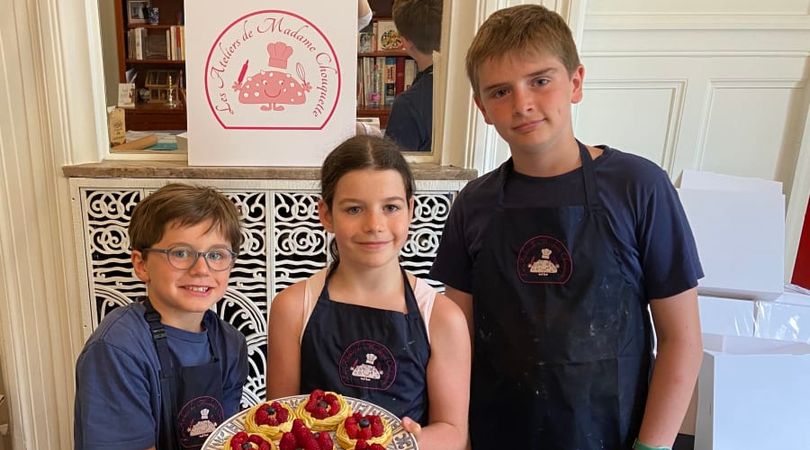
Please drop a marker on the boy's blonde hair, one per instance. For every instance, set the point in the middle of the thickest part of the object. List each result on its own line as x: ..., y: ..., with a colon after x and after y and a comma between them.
x: 183, y: 205
x: 419, y: 21
x: 525, y: 30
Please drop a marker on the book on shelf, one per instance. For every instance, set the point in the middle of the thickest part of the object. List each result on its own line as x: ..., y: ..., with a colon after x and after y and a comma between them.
x: 365, y: 42
x: 388, y: 36
x: 380, y: 79
x: 166, y: 44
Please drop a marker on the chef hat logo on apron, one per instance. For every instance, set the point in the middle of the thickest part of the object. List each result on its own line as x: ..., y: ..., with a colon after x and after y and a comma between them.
x: 197, y: 419
x: 544, y: 260
x: 368, y: 364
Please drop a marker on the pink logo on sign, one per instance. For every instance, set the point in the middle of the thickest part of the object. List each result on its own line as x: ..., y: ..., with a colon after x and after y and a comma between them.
x: 272, y: 70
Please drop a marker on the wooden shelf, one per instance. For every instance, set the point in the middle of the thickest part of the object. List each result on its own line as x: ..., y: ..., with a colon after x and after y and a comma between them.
x: 149, y: 116
x: 155, y: 116
x: 383, y: 53
x: 382, y: 113
x: 151, y: 27
x: 162, y: 62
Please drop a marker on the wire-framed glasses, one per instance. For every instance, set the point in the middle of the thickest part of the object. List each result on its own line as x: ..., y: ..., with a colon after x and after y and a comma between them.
x: 183, y: 257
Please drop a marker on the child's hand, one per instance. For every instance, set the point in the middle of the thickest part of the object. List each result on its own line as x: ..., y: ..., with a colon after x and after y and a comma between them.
x: 412, y: 427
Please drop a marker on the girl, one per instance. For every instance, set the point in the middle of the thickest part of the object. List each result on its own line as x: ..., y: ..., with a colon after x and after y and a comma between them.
x: 364, y: 327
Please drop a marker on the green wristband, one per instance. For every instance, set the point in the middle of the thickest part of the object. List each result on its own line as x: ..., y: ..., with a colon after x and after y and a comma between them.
x: 638, y: 445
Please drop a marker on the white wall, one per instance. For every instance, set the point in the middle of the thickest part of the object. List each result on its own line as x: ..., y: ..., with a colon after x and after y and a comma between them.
x: 699, y: 84
x: 710, y: 84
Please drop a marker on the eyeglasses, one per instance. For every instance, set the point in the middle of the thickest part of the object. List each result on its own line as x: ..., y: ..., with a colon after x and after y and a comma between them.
x: 184, y: 258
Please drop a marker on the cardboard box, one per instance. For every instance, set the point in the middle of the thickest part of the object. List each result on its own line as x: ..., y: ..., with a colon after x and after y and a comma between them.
x: 269, y: 83
x: 786, y: 319
x: 753, y: 394
x: 740, y: 237
x: 698, y: 179
x: 726, y: 316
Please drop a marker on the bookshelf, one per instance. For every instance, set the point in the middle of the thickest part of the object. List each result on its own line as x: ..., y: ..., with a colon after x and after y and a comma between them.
x: 380, y: 73
x: 152, y: 52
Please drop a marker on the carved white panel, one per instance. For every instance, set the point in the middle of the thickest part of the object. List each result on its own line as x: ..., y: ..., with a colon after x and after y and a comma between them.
x: 635, y: 116
x: 751, y: 128
x: 283, y: 243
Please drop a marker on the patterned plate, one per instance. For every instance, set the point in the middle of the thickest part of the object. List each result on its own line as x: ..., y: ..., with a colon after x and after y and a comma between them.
x: 402, y: 440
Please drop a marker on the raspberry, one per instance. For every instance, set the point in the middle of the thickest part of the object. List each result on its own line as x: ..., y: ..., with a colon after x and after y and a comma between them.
x: 301, y: 433
x: 255, y: 439
x: 238, y: 438
x: 297, y: 425
x: 261, y: 416
x: 325, y: 441
x: 365, y: 433
x: 351, y: 428
x: 311, y: 445
x: 265, y: 446
x: 376, y: 428
x: 287, y: 442
x: 360, y: 445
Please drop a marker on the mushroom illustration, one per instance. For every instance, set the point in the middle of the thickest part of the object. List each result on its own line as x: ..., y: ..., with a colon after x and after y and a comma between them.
x: 273, y: 88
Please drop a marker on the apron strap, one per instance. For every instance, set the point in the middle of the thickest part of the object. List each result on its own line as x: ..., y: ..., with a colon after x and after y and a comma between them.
x: 313, y: 287
x: 410, y: 298
x: 322, y: 281
x: 167, y: 381
x: 591, y: 196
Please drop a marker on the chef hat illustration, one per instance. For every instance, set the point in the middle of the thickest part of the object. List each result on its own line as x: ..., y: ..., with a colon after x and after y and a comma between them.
x: 279, y: 53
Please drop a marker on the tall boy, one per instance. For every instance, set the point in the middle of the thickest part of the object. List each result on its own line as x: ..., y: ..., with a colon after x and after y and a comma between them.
x: 419, y: 23
x: 163, y: 372
x: 555, y: 257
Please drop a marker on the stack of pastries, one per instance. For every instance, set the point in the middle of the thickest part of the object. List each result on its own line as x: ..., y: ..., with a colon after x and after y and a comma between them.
x: 275, y: 425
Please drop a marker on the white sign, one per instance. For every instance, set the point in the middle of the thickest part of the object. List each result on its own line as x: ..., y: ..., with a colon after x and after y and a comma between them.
x: 269, y: 83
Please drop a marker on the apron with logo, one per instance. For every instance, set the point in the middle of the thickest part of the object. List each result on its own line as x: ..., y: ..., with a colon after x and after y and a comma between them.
x: 191, y: 397
x: 373, y: 354
x: 562, y: 347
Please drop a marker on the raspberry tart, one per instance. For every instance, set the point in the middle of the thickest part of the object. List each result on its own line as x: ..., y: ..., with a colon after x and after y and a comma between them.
x: 359, y: 432
x: 323, y: 410
x: 301, y: 437
x: 249, y: 441
x: 270, y: 418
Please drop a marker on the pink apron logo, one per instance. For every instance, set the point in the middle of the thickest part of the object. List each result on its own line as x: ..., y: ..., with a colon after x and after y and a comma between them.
x: 272, y: 70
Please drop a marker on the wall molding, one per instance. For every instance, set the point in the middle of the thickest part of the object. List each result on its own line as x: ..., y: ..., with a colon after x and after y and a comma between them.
x: 715, y: 85
x: 799, y: 197
x: 677, y: 87
x: 52, y: 106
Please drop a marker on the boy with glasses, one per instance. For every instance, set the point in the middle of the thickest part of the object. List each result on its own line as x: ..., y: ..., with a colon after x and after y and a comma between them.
x: 165, y: 371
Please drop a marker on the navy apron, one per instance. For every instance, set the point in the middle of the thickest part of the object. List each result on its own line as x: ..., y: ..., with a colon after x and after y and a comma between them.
x: 562, y: 350
x: 191, y: 397
x: 373, y: 354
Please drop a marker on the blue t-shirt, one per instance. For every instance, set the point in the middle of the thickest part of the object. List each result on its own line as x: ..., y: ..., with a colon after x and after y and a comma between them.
x: 117, y: 377
x: 411, y: 121
x: 645, y: 214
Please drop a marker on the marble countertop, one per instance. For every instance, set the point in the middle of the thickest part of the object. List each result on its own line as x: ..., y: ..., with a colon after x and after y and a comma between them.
x: 180, y: 169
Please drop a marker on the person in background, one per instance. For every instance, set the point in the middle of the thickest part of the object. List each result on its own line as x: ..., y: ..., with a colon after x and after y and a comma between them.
x: 165, y: 371
x: 366, y: 307
x: 419, y: 23
x: 364, y: 14
x: 556, y: 256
